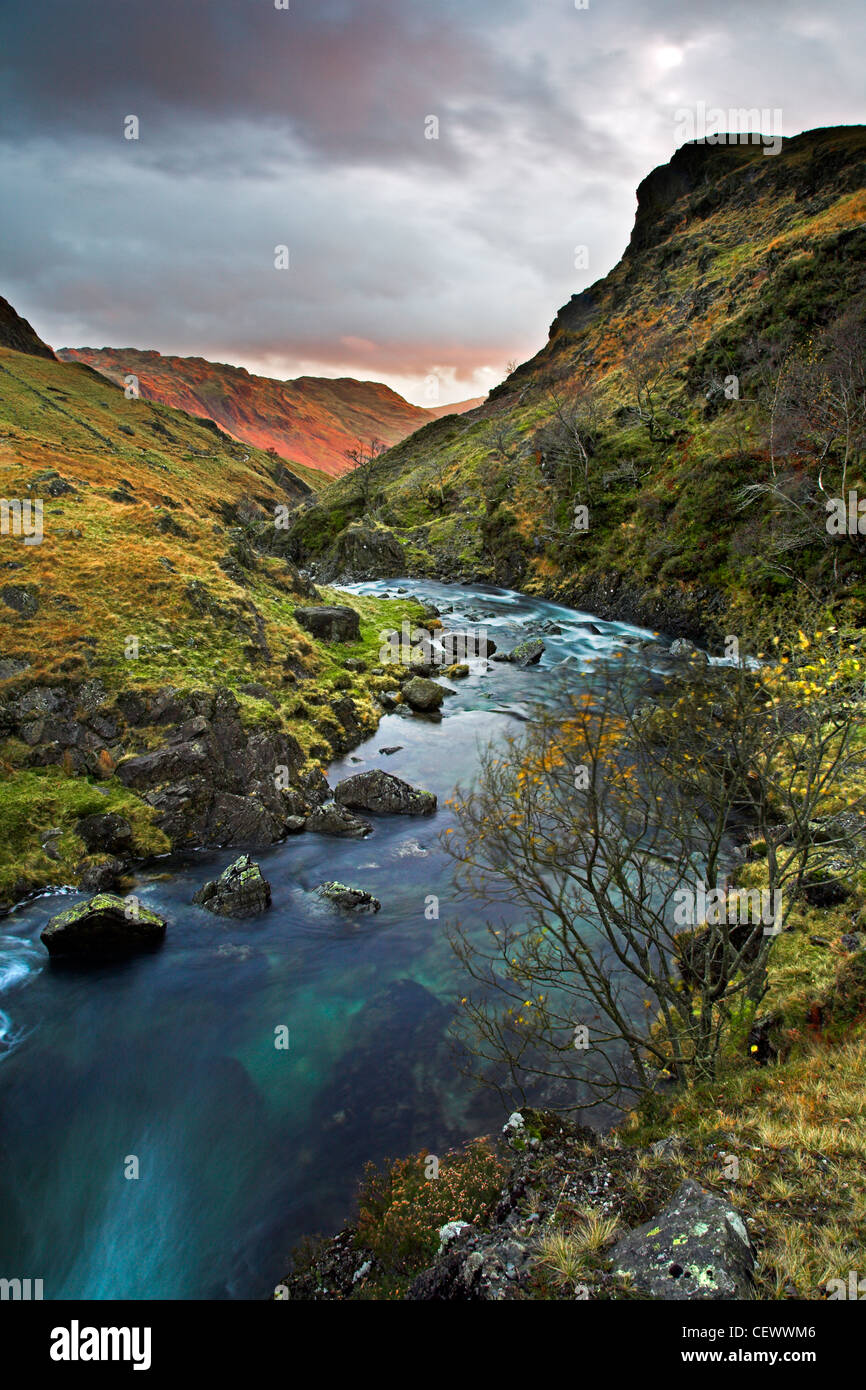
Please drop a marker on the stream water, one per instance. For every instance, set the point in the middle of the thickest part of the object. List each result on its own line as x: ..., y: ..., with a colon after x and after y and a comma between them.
x: 170, y: 1058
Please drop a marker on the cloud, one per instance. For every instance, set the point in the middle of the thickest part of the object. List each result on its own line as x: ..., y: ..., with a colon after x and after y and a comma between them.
x: 306, y: 127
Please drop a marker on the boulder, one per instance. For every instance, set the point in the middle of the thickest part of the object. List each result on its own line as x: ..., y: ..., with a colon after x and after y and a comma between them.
x: 105, y: 834
x: 527, y: 653
x: 384, y: 795
x: 333, y: 819
x: 104, y: 926
x: 240, y: 891
x: 350, y: 899
x: 422, y: 694
x: 23, y: 599
x: 686, y: 650
x: 103, y: 877
x: 331, y: 623
x: 696, y: 1248
x: 363, y: 551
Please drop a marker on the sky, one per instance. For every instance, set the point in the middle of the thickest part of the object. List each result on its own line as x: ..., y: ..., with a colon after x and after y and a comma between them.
x: 431, y: 166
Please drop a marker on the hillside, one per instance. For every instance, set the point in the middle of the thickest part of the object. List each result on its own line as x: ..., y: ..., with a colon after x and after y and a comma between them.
x: 18, y: 334
x: 717, y: 356
x: 147, y: 608
x: 309, y: 420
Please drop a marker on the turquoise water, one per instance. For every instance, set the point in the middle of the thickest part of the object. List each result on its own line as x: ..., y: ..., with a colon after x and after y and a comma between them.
x: 169, y: 1059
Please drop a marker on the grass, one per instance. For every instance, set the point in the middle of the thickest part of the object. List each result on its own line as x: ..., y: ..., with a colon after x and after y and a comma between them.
x: 35, y: 802
x: 175, y: 587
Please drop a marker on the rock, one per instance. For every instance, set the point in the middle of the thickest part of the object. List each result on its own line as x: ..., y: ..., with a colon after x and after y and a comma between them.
x: 527, y: 653
x: 853, y: 941
x: 389, y: 699
x: 696, y: 1248
x: 12, y: 666
x: 826, y: 886
x: 333, y: 819
x: 473, y: 1267
x: 295, y: 824
x: 104, y: 926
x: 384, y: 795
x: 683, y: 648
x: 331, y: 623
x: 362, y: 551
x: 450, y: 1232
x: 457, y: 671
x: 23, y: 599
x: 762, y: 1045
x: 105, y: 834
x: 350, y: 899
x: 240, y: 891
x: 394, y: 748
x: 422, y: 694
x: 101, y: 878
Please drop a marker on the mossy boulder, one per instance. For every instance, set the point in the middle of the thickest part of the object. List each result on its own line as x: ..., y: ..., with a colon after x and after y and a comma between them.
x: 349, y: 899
x: 527, y: 653
x: 422, y: 694
x: 240, y: 891
x: 331, y: 623
x: 697, y: 1247
x: 104, y: 926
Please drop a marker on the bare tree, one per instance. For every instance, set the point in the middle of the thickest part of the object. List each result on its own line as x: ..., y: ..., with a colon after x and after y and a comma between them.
x: 650, y: 366
x: 817, y: 435
x: 363, y: 458
x: 569, y: 442
x: 596, y: 825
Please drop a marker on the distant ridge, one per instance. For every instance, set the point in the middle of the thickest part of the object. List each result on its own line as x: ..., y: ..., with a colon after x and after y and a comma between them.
x: 308, y: 420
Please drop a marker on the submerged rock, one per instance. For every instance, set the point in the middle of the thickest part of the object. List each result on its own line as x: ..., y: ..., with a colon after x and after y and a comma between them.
x: 696, y: 1248
x: 422, y: 694
x: 350, y: 899
x: 384, y: 795
x: 240, y: 891
x: 105, y: 925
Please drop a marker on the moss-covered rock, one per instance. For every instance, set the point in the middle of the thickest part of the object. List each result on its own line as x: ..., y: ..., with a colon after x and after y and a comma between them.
x: 104, y: 926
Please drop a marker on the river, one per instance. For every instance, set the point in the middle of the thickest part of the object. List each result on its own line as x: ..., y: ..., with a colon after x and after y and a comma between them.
x: 166, y: 1063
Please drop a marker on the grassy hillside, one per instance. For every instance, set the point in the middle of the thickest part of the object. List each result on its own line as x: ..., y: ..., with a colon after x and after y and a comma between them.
x: 160, y: 567
x: 311, y: 421
x: 740, y: 266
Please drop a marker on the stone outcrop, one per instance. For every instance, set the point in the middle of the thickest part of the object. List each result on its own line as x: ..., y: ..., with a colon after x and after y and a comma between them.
x: 240, y: 891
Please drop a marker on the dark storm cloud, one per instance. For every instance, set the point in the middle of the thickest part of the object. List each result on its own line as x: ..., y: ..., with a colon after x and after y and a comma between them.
x: 307, y: 127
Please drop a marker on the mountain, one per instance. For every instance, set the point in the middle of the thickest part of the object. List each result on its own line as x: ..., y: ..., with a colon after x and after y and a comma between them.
x: 308, y: 420
x: 151, y: 661
x: 685, y: 401
x: 17, y: 333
